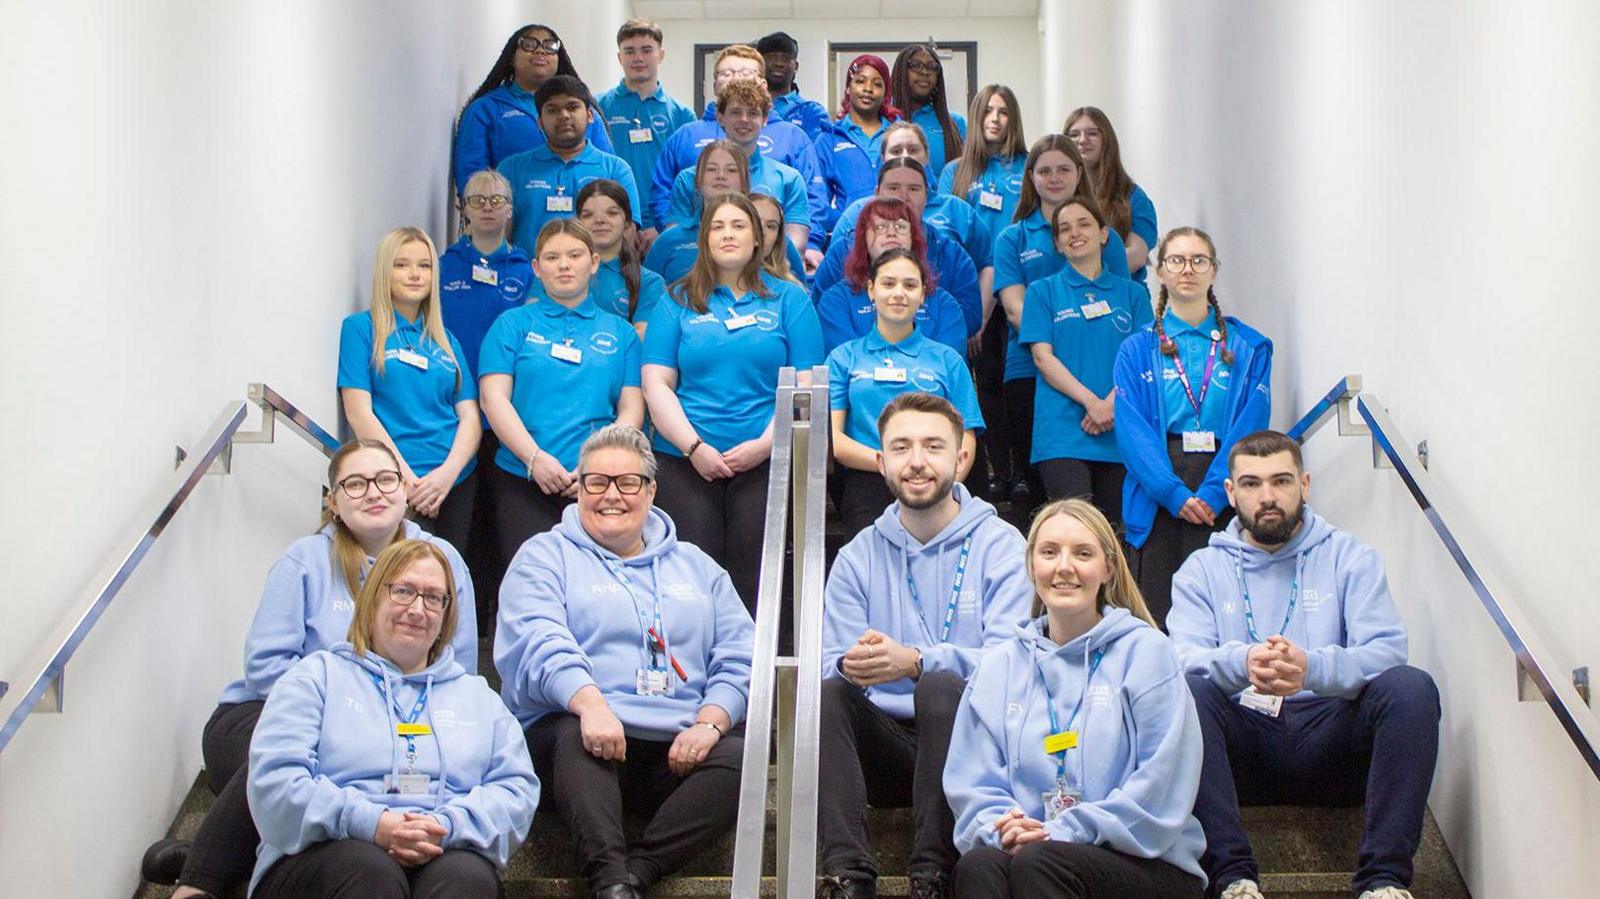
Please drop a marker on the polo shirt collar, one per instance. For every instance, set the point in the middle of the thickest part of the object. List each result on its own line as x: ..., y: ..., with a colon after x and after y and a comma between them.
x: 1076, y: 278
x: 875, y: 342
x: 553, y: 309
x: 660, y: 92
x: 1174, y: 325
x: 544, y: 153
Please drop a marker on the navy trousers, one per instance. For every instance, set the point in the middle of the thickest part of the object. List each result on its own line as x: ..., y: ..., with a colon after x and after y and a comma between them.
x: 1378, y: 749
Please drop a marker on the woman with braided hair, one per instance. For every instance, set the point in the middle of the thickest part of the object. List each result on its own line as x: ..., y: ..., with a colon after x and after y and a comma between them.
x: 1188, y: 386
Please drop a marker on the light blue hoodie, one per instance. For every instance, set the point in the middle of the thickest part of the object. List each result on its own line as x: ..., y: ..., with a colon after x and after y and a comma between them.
x: 1138, y: 760
x: 867, y: 589
x: 326, y: 740
x: 567, y: 622
x: 1344, y: 618
x: 305, y: 607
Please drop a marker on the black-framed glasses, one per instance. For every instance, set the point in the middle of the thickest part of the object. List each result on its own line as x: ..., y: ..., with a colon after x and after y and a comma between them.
x: 405, y: 595
x: 531, y: 44
x: 1200, y: 264
x: 923, y: 68
x: 595, y: 483
x: 356, y: 486
x: 493, y: 201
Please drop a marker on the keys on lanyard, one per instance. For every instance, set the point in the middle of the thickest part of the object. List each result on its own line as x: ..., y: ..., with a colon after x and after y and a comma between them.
x: 1059, y: 740
x: 408, y: 728
x: 955, y: 592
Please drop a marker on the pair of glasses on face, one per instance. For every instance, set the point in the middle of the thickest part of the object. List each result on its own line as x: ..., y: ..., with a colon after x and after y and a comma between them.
x: 534, y: 45
x: 493, y: 201
x: 1200, y: 264
x: 923, y: 68
x: 356, y: 486
x: 595, y: 483
x: 897, y: 227
x: 405, y: 595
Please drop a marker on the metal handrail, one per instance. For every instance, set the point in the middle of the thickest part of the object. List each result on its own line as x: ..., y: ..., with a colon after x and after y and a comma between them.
x: 46, y: 692
x: 1533, y: 656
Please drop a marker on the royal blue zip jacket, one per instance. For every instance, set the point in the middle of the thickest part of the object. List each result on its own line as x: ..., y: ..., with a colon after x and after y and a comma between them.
x: 848, y: 161
x: 951, y: 267
x: 503, y: 123
x: 779, y: 140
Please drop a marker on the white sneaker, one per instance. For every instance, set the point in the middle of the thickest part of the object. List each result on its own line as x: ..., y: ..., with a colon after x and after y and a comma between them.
x: 1245, y: 889
x: 1387, y: 893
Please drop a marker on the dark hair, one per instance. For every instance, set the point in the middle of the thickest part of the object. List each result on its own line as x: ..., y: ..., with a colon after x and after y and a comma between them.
x: 1111, y: 182
x: 1029, y: 203
x: 627, y: 251
x: 778, y: 42
x: 929, y: 280
x: 1167, y: 346
x: 975, y: 152
x: 562, y: 86
x: 639, y: 28
x: 1262, y: 444
x: 901, y: 162
x: 1089, y: 206
x: 858, y: 264
x: 694, y: 288
x: 917, y: 401
x: 500, y: 73
x: 900, y: 86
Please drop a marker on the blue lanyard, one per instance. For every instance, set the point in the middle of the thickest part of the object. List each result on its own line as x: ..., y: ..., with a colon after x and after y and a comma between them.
x: 1249, y: 610
x: 416, y: 710
x: 1050, y: 706
x: 955, y: 592
x: 654, y: 650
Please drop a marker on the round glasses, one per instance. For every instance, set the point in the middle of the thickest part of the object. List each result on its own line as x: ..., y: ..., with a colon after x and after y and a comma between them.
x: 1200, y: 264
x: 356, y: 486
x: 493, y: 201
x: 898, y: 227
x: 405, y: 595
x: 595, y: 483
x: 532, y: 44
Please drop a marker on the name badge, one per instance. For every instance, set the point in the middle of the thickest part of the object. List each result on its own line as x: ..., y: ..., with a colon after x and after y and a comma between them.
x: 889, y: 375
x: 1095, y: 310
x: 648, y: 682
x: 558, y: 203
x: 485, y: 275
x: 413, y: 358
x: 640, y: 135
x: 566, y: 353
x: 1260, y: 702
x: 740, y: 321
x: 1199, y: 442
x: 402, y: 729
x: 988, y: 199
x: 1057, y: 801
x: 406, y: 784
x: 1067, y: 739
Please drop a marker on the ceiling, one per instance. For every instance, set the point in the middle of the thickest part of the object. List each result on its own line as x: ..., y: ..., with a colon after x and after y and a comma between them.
x: 835, y: 9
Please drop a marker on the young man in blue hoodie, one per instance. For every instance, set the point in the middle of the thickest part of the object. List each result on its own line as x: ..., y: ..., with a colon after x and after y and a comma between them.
x: 911, y: 602
x: 1296, y: 657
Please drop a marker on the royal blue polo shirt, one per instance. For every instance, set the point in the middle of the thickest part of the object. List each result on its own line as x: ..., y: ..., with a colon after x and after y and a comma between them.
x: 674, y: 252
x: 544, y: 186
x: 1084, y: 322
x: 869, y: 371
x: 994, y: 193
x: 1194, y: 345
x: 925, y: 116
x: 847, y: 314
x: 639, y: 128
x: 950, y: 266
x: 561, y: 401
x: 415, y: 395
x: 609, y: 291
x: 1144, y: 225
x: 475, y: 288
x: 727, y: 358
x: 767, y: 176
x: 502, y: 123
x: 780, y: 141
x: 1025, y: 253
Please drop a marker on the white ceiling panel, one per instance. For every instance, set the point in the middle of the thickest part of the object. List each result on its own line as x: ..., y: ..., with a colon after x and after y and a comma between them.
x: 913, y: 10
x: 836, y: 9
x: 669, y: 9
x: 1004, y: 8
x: 749, y: 9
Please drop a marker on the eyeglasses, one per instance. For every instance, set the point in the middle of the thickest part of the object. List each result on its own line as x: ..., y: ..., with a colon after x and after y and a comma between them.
x: 595, y: 483
x: 1200, y: 264
x: 532, y: 44
x: 923, y: 68
x: 405, y: 595
x: 356, y: 485
x: 897, y: 227
x: 493, y: 201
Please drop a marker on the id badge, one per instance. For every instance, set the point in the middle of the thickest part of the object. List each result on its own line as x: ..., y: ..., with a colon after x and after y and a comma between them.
x: 740, y: 321
x: 413, y: 358
x: 1067, y: 739
x: 485, y: 275
x: 640, y: 135
x: 1260, y: 702
x: 988, y: 199
x: 1199, y: 442
x: 566, y: 353
x: 649, y: 682
x: 889, y: 375
x: 406, y: 784
x: 558, y: 203
x: 1059, y: 800
x: 1092, y: 311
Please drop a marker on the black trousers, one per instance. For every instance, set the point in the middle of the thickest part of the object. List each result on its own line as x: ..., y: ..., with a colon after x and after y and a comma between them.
x: 590, y: 794
x: 988, y: 377
x: 224, y: 850
x: 1019, y: 433
x: 906, y: 759
x: 1070, y: 871
x: 453, y: 524
x: 357, y: 869
x: 482, y: 552
x: 862, y: 498
x: 1172, y: 540
x: 521, y: 510
x: 1099, y: 482
x: 725, y: 518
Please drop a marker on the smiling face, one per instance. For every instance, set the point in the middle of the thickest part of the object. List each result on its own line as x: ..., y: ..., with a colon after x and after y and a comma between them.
x: 742, y: 123
x: 1078, y: 236
x: 719, y: 175
x: 865, y: 90
x: 771, y: 221
x: 904, y: 184
x: 731, y: 238
x: 919, y: 457
x: 605, y: 220
x: 411, y: 275
x: 897, y: 292
x: 372, y: 516
x: 614, y: 519
x: 1086, y: 135
x: 565, y: 265
x: 1068, y: 567
x: 1055, y: 177
x: 1183, y: 281
x: 404, y: 634
x: 564, y: 120
x: 996, y: 119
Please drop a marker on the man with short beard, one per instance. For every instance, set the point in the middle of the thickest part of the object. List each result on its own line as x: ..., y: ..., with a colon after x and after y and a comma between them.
x: 1296, y: 655
x: 911, y: 602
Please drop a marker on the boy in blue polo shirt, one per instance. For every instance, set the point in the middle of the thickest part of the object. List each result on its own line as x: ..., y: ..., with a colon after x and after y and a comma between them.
x: 639, y: 114
x: 545, y: 180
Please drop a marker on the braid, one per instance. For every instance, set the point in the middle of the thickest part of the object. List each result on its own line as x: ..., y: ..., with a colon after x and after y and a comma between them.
x: 1222, y: 323
x: 1168, y: 347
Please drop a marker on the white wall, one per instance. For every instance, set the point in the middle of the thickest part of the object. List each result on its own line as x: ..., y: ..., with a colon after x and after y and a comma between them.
x: 193, y: 192
x: 1403, y: 191
x: 1007, y: 51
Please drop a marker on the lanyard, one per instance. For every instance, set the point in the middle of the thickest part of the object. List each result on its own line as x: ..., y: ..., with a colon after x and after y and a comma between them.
x: 1050, y: 706
x: 416, y: 712
x: 955, y: 592
x: 1205, y: 380
x: 1244, y: 590
x: 653, y: 633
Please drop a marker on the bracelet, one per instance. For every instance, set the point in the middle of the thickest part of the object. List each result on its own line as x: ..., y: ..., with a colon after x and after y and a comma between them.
x: 713, y: 726
x: 692, y: 447
x: 531, y: 460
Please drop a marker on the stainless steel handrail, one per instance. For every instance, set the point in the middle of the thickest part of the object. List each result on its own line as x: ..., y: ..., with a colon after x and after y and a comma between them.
x: 1338, y: 399
x: 46, y: 691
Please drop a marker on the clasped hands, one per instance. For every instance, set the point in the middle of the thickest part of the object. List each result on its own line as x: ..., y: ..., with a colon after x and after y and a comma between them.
x: 410, y: 838
x: 1277, y: 667
x: 878, y: 658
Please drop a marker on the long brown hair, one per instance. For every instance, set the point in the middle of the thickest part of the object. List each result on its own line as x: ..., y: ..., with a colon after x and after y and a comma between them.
x: 1169, y: 347
x: 1120, y: 590
x: 776, y: 262
x: 1029, y: 203
x: 1111, y: 182
x: 390, y: 564
x: 627, y: 250
x: 975, y: 152
x: 694, y: 289
x: 348, y: 556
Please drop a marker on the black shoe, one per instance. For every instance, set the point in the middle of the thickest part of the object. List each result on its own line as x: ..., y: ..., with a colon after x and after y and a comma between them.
x: 930, y: 886
x: 163, y: 861
x: 998, y: 490
x: 628, y: 889
x: 1021, y: 493
x: 842, y: 886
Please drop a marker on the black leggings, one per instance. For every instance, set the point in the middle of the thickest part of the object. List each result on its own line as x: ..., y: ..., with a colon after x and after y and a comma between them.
x: 1172, y: 539
x: 988, y: 376
x: 521, y: 510
x: 358, y: 869
x: 1100, y: 482
x: 725, y: 518
x: 224, y: 850
x: 1019, y: 432
x: 453, y: 524
x: 1070, y: 871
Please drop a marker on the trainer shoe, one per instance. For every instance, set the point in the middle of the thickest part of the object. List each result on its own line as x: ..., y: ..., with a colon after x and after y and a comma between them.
x: 1242, y: 889
x: 1389, y: 892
